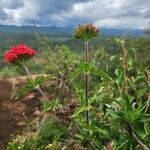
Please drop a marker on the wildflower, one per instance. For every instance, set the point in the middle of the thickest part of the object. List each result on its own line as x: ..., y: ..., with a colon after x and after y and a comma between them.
x: 86, y: 32
x: 18, y: 53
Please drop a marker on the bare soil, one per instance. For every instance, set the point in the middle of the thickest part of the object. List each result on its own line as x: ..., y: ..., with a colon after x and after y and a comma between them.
x: 14, y: 115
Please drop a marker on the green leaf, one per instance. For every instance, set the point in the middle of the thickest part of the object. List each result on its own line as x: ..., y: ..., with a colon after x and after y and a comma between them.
x: 116, y: 115
x: 79, y: 136
x: 119, y: 77
x: 122, y: 145
x: 100, y: 73
x: 78, y: 111
x: 127, y: 102
x: 51, y: 105
x: 22, y: 91
x: 87, y: 68
x: 76, y: 73
x: 91, y: 100
x: 139, y: 79
x: 59, y: 133
x: 97, y: 129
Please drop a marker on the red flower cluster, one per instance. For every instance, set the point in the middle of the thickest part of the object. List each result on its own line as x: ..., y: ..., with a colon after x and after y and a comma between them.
x: 18, y: 52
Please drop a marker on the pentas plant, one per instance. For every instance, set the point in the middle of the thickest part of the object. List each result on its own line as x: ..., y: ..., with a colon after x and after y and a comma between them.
x: 19, y: 55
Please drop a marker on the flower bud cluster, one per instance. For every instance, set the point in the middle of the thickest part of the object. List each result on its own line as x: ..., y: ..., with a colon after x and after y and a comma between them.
x: 86, y: 32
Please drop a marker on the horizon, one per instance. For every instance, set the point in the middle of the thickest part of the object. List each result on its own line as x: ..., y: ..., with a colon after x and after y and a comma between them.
x: 133, y: 14
x: 66, y: 27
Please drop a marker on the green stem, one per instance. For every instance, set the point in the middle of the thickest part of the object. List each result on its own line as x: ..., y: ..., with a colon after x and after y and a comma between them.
x: 135, y: 55
x: 38, y: 88
x: 87, y: 81
x: 124, y: 65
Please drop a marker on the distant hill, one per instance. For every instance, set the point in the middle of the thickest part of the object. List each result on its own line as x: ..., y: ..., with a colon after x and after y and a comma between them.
x: 58, y: 31
x: 67, y: 31
x: 123, y: 32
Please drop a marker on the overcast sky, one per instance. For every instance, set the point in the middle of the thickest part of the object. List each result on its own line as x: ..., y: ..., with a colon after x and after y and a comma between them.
x: 103, y: 13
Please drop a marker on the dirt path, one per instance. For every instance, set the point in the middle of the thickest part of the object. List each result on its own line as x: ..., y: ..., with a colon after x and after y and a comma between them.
x: 14, y: 115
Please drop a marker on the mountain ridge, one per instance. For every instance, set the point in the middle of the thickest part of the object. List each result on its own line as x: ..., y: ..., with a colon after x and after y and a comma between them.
x: 67, y: 31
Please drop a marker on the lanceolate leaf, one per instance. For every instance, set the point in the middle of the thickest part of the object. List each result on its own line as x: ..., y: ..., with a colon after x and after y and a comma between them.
x: 116, y: 115
x: 100, y: 73
x: 76, y: 73
x: 97, y: 129
x: 81, y: 109
x: 24, y: 90
x: 90, y: 69
x: 122, y: 145
x: 78, y: 111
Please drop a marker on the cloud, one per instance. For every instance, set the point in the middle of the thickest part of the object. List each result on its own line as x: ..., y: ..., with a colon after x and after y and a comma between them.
x: 108, y: 13
x: 112, y: 13
x: 19, y: 14
x: 11, y: 4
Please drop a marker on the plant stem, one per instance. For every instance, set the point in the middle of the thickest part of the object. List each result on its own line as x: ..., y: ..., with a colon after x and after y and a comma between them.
x: 87, y: 80
x: 124, y: 64
x: 137, y: 138
x: 135, y: 55
x: 143, y: 145
x: 38, y: 88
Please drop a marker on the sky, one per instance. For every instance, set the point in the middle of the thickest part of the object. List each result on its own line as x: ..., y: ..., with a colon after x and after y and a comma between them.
x: 69, y: 13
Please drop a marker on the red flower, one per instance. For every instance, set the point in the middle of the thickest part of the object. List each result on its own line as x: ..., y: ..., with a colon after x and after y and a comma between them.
x: 18, y: 52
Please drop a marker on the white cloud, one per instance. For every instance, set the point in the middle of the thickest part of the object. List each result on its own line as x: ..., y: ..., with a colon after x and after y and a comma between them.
x: 107, y: 23
x: 108, y: 13
x: 20, y: 15
x: 112, y: 13
x: 123, y: 23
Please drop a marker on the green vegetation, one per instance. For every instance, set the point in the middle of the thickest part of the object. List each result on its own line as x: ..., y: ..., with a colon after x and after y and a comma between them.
x: 101, y: 103
x: 45, y: 43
